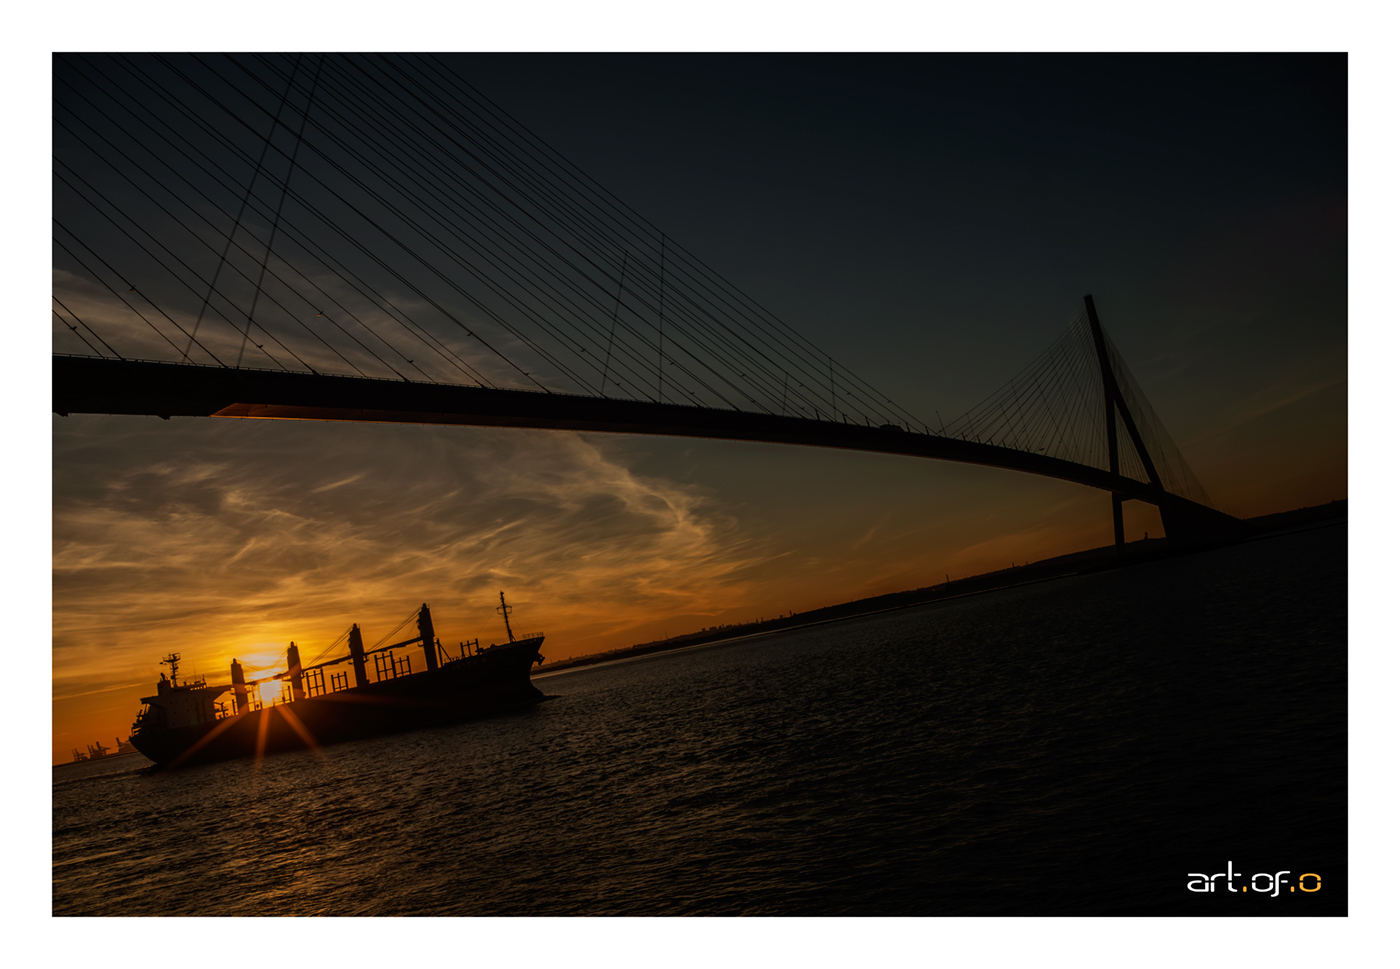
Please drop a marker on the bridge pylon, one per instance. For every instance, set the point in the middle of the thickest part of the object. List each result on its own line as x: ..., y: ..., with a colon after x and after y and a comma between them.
x: 1185, y: 522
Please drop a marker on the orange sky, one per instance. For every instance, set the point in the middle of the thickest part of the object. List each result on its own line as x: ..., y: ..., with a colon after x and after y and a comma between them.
x: 933, y: 224
x: 223, y: 538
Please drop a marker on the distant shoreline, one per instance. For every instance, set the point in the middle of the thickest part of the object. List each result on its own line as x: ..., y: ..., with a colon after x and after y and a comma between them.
x: 1060, y: 567
x: 606, y: 659
x: 75, y: 763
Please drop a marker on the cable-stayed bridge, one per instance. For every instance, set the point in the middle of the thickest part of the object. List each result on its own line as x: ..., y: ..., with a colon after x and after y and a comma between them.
x: 369, y: 238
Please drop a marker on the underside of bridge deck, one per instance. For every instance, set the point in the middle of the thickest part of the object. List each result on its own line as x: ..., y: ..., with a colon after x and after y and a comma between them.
x: 100, y: 386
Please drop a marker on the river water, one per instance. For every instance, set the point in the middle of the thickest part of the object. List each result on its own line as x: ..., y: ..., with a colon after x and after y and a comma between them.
x: 1084, y: 746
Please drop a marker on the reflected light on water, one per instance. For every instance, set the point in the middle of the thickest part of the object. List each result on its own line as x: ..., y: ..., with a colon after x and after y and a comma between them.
x: 302, y: 732
x: 1058, y: 749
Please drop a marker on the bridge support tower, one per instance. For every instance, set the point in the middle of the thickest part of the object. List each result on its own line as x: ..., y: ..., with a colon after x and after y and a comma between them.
x: 1114, y: 404
x: 1184, y: 522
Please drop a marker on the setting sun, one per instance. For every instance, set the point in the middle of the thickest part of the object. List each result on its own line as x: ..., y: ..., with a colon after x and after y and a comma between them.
x: 270, y: 691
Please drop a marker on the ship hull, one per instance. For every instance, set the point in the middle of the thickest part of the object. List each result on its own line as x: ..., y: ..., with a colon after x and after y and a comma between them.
x: 493, y: 681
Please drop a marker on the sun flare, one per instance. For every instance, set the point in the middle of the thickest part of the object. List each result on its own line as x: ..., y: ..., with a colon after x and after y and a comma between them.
x: 270, y: 691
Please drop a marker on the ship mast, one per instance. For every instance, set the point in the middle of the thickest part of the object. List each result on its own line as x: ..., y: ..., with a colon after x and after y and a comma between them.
x: 172, y: 660
x: 505, y: 612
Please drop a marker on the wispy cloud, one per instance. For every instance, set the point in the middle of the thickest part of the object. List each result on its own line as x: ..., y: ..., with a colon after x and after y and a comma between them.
x: 258, y: 537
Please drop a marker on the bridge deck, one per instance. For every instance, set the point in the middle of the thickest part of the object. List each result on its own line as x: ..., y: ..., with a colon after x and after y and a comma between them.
x: 83, y: 385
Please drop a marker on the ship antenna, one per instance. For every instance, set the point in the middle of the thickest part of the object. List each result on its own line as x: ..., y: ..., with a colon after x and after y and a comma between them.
x: 173, y: 659
x: 505, y: 612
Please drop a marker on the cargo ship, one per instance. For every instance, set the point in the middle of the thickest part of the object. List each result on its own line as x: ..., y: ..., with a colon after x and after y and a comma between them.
x: 187, y: 722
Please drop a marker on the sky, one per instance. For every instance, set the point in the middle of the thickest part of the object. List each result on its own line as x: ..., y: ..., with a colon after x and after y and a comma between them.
x: 933, y: 221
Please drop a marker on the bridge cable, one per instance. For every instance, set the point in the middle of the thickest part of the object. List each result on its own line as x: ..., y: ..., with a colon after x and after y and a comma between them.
x: 774, y: 396
x: 391, y: 237
x: 99, y: 279
x: 445, y: 122
x: 309, y: 246
x: 148, y: 252
x: 90, y: 329
x: 165, y: 266
x: 196, y: 213
x: 395, y: 239
x: 596, y: 302
x: 628, y: 213
x: 723, y: 332
x: 281, y: 200
x: 76, y: 332
x: 194, y: 272
x: 237, y: 221
x: 381, y: 302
